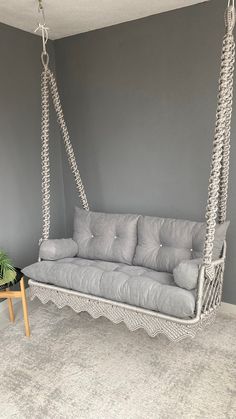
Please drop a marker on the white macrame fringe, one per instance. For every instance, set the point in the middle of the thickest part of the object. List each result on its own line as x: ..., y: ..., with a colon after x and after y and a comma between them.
x: 134, y: 320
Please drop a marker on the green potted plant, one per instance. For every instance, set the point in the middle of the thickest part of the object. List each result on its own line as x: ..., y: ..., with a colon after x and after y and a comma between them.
x: 7, y: 271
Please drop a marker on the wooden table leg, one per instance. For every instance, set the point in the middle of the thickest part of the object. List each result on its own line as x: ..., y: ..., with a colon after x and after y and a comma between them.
x: 10, y: 308
x: 25, y: 308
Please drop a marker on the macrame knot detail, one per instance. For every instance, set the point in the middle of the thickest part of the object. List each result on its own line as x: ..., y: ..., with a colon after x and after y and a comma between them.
x: 230, y: 18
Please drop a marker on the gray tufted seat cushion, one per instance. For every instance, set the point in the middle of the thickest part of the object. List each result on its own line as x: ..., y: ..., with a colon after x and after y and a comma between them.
x: 109, y: 237
x: 133, y: 285
x: 163, y: 243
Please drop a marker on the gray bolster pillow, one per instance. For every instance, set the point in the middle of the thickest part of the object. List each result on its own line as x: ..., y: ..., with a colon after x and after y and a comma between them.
x: 186, y: 273
x: 58, y: 249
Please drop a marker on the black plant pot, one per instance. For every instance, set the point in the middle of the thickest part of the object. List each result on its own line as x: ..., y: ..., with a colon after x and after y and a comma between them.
x: 10, y: 284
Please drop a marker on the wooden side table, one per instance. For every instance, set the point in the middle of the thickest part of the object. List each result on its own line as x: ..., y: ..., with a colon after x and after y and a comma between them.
x: 9, y: 295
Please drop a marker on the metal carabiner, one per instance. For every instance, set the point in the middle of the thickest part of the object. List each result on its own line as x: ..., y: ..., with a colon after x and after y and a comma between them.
x: 45, y: 59
x: 230, y: 3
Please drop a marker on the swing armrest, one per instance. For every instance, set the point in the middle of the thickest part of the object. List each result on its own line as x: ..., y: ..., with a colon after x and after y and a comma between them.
x: 58, y: 249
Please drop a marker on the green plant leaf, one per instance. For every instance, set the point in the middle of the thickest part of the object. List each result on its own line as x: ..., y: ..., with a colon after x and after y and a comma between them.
x: 10, y: 275
x: 7, y: 271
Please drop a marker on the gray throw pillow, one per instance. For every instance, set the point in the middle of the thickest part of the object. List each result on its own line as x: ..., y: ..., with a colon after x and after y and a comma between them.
x: 58, y: 249
x: 186, y: 273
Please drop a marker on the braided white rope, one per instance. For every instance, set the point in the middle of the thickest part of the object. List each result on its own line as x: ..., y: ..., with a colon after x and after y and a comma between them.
x: 45, y: 156
x: 67, y: 142
x: 218, y: 181
x: 223, y: 192
x: 49, y: 80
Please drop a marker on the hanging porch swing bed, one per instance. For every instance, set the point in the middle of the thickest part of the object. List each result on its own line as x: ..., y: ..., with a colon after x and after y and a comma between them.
x: 162, y: 275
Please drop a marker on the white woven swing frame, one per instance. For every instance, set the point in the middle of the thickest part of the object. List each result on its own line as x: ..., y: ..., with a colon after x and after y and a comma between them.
x: 211, y: 273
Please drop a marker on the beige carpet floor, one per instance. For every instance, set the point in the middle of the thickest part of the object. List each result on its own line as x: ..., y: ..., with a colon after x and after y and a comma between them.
x: 77, y: 367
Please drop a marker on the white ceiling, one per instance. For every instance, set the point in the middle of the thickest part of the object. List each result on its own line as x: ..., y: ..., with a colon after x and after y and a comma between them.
x: 69, y: 17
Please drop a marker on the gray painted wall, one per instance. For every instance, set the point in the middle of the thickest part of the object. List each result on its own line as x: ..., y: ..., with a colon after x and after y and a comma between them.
x: 140, y: 101
x: 20, y: 114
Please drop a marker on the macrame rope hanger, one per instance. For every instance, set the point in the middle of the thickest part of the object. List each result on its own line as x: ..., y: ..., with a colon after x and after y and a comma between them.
x: 218, y: 182
x: 219, y: 176
x: 49, y: 86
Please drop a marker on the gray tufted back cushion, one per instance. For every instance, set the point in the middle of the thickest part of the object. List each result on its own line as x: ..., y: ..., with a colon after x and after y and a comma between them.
x: 109, y: 237
x: 163, y: 243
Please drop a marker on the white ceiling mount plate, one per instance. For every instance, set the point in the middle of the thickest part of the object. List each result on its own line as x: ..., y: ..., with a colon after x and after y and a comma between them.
x: 70, y: 17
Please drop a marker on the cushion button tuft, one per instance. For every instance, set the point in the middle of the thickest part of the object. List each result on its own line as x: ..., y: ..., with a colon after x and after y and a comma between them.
x: 161, y: 245
x: 115, y: 237
x: 92, y: 235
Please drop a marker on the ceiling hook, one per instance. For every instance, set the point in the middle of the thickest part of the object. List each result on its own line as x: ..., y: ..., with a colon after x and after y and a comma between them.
x: 41, y: 10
